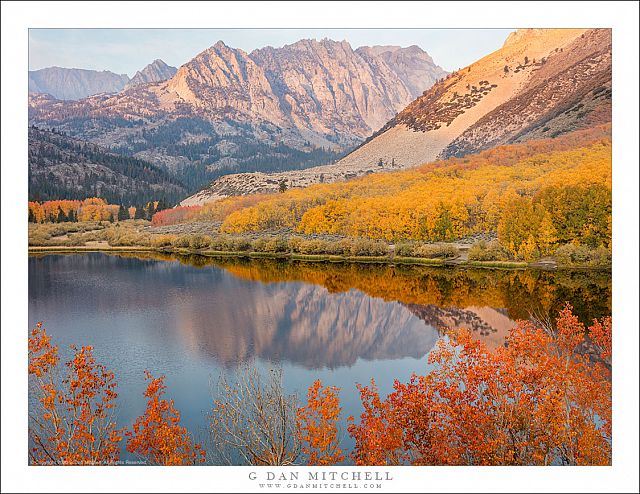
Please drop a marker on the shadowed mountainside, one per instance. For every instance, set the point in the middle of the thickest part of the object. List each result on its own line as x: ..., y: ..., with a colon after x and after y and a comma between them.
x: 61, y: 166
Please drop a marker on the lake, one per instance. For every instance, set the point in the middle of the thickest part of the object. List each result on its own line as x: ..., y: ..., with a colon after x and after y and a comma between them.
x: 193, y: 317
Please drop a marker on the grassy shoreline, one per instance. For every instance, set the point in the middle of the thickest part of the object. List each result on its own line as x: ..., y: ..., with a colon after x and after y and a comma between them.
x: 204, y: 239
x: 88, y: 248
x: 53, y: 249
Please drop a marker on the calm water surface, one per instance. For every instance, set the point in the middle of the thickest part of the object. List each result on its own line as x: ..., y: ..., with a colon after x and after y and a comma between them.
x: 193, y: 318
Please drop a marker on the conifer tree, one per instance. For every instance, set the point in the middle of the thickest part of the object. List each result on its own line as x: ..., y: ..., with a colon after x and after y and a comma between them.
x: 123, y: 214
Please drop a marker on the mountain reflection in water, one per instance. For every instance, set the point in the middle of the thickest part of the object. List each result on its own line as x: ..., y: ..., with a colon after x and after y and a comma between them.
x: 315, y: 315
x: 302, y: 324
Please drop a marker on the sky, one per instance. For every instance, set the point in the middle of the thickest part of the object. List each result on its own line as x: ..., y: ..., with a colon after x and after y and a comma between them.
x: 124, y: 51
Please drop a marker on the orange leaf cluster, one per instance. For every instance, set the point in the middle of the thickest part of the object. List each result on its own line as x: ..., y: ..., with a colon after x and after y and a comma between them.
x: 178, y: 214
x: 91, y: 209
x: 379, y: 440
x: 157, y: 434
x: 318, y: 425
x: 73, y: 422
x: 213, y: 211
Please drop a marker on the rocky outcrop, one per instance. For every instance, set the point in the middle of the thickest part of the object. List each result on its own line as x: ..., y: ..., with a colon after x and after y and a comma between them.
x: 73, y: 84
x: 411, y: 64
x: 328, y: 87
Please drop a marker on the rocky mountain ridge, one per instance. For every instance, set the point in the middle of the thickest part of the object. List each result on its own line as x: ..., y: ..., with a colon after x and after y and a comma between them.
x: 156, y: 71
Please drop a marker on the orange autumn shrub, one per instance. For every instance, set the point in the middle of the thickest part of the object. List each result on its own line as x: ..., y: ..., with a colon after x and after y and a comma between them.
x: 539, y: 400
x: 157, y: 435
x: 49, y: 211
x: 178, y: 214
x: 318, y: 425
x: 600, y: 334
x: 73, y: 422
x: 96, y: 209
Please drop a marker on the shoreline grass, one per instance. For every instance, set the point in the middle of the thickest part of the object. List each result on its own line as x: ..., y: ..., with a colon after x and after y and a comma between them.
x: 136, y: 236
x: 83, y: 248
x: 401, y: 260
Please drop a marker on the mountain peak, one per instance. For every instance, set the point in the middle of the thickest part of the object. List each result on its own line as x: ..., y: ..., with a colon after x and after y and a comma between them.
x: 389, y: 51
x: 158, y: 62
x: 313, y: 43
x: 520, y: 34
x: 377, y: 50
x: 156, y: 71
x: 313, y: 96
x: 407, y: 62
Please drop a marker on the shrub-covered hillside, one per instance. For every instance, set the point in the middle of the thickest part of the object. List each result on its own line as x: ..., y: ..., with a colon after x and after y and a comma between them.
x: 536, y: 196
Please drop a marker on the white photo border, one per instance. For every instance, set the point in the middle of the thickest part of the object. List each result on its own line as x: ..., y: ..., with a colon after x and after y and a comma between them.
x: 18, y: 17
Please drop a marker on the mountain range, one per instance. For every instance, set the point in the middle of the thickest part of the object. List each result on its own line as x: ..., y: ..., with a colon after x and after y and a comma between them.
x: 272, y: 109
x: 542, y: 83
x: 72, y: 84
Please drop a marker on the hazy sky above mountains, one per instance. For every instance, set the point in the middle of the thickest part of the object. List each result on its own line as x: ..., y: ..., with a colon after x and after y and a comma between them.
x: 129, y: 50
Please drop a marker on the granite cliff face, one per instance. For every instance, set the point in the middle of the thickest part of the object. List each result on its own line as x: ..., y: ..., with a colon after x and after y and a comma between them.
x: 156, y: 71
x: 72, y: 84
x: 540, y: 84
x: 272, y: 109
